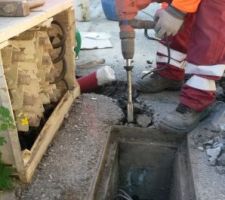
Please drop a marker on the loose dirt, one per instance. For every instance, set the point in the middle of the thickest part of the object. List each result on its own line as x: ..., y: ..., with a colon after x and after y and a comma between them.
x: 67, y: 169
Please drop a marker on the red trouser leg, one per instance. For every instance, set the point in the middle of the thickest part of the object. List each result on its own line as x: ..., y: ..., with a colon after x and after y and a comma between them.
x: 205, y: 55
x: 177, y: 52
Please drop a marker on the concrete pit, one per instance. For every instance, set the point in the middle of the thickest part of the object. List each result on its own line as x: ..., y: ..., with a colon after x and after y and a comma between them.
x: 143, y: 164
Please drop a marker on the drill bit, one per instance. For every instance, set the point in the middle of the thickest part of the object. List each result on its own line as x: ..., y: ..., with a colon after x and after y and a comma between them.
x: 130, y: 108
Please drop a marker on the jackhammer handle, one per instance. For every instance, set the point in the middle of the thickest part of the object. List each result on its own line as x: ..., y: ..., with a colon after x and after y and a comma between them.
x: 142, y: 24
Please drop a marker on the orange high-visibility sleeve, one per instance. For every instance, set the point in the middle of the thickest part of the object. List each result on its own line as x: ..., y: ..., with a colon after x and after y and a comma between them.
x: 187, y: 6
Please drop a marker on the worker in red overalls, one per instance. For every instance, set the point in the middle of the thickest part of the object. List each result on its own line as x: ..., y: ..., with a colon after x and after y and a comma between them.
x: 195, y: 32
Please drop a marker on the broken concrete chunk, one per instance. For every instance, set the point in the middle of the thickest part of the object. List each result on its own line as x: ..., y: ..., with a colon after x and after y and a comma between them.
x: 130, y: 125
x: 212, y: 161
x: 221, y: 160
x: 215, y: 152
x: 218, y: 144
x: 213, y: 155
x: 201, y: 149
x: 215, y: 122
x: 143, y: 120
x: 138, y: 108
x: 220, y: 170
x: 210, y: 142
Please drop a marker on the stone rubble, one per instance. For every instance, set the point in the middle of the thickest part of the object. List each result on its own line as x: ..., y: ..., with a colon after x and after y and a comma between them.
x: 144, y: 120
x: 221, y: 160
x: 213, y: 155
x: 220, y: 170
x: 216, y: 119
x: 215, y: 151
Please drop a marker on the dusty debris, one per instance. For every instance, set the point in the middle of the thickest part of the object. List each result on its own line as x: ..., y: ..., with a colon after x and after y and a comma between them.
x: 7, y: 196
x: 213, y: 154
x: 143, y: 120
x: 221, y: 160
x: 215, y: 150
x: 138, y: 107
x: 71, y: 161
x: 220, y: 170
x: 217, y: 118
x: 210, y: 142
x: 118, y: 91
x: 201, y: 149
x: 211, y: 131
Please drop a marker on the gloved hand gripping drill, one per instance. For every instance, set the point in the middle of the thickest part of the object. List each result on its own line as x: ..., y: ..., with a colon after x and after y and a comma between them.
x: 127, y: 10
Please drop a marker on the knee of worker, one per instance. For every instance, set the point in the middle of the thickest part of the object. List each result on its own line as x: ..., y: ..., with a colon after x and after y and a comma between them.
x: 170, y: 63
x: 198, y: 93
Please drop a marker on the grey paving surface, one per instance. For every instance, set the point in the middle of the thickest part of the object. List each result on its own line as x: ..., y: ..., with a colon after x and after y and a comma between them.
x: 209, y: 185
x: 145, y: 50
x: 67, y: 169
x: 207, y: 182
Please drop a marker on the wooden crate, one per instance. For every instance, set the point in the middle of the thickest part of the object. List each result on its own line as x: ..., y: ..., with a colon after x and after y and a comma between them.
x: 11, y: 29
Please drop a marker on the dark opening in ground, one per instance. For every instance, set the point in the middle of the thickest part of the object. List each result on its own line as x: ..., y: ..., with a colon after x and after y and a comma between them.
x: 144, y: 164
x: 145, y: 171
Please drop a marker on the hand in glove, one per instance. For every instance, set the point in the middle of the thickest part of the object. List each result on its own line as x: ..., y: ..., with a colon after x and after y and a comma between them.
x: 168, y: 21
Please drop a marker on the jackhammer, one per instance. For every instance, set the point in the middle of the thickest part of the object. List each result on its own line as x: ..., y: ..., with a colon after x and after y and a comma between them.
x: 126, y: 11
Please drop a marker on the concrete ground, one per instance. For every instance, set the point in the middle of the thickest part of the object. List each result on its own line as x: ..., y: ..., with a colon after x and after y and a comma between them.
x: 67, y: 170
x: 144, y: 50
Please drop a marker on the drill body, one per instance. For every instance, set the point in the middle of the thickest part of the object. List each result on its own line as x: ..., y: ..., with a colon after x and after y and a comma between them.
x: 126, y: 11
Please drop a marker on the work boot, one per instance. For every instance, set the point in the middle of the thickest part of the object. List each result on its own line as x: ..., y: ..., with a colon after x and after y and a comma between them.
x: 155, y: 83
x: 183, y: 119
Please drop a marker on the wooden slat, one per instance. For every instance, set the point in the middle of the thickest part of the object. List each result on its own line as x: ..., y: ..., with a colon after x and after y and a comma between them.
x: 13, y: 26
x: 49, y: 130
x: 4, y: 44
x: 67, y: 20
x: 13, y: 144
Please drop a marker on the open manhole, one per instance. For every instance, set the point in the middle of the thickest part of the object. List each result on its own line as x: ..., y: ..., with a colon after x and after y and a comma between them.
x: 143, y: 164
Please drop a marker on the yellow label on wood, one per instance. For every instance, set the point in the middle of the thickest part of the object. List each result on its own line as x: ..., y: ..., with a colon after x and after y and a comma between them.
x: 24, y: 121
